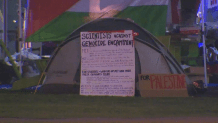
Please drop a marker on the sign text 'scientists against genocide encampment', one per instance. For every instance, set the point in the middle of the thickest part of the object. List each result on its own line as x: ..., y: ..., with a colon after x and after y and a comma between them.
x: 94, y: 39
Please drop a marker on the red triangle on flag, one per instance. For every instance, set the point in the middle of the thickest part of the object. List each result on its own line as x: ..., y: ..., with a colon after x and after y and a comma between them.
x: 41, y: 12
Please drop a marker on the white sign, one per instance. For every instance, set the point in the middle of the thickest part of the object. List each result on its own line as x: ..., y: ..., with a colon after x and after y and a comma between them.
x: 212, y: 3
x: 107, y: 63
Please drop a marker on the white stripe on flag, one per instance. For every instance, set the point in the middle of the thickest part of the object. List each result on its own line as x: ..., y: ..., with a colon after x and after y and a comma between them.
x: 99, y: 6
x: 149, y: 2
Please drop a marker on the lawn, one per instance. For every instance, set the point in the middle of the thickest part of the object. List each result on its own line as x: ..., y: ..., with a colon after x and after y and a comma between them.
x: 29, y: 105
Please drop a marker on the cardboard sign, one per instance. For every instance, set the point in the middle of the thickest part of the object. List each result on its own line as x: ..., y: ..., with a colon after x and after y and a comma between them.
x: 162, y: 85
x: 107, y: 63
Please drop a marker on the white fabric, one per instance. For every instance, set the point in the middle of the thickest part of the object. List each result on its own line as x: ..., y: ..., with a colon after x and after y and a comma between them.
x: 152, y: 62
x: 149, y: 2
x: 64, y: 66
x: 25, y: 54
x: 99, y: 6
x: 212, y: 52
x: 30, y: 72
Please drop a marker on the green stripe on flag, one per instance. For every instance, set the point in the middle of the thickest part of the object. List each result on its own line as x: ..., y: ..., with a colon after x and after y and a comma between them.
x: 59, y: 28
x: 152, y: 18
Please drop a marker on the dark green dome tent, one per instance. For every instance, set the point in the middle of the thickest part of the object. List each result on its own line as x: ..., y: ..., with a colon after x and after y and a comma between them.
x: 151, y: 56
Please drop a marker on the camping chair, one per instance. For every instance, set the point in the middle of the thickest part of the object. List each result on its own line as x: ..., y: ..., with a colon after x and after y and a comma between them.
x: 193, y: 54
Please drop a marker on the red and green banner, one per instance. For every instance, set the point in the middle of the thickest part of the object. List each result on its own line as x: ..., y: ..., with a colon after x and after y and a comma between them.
x: 54, y: 20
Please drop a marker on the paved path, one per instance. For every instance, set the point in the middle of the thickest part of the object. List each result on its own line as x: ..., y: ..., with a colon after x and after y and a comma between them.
x: 115, y: 120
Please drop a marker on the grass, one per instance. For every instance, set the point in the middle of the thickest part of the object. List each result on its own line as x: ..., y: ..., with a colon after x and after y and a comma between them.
x: 27, y: 105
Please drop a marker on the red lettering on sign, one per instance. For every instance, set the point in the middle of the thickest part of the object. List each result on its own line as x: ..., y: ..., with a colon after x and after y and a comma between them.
x: 159, y: 82
x: 176, y: 82
x: 152, y: 79
x: 167, y: 81
x: 171, y: 82
x: 181, y: 81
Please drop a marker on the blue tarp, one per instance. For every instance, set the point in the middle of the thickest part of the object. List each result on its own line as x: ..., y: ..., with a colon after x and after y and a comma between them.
x: 6, y: 86
x: 212, y: 85
x: 9, y: 86
x: 33, y: 87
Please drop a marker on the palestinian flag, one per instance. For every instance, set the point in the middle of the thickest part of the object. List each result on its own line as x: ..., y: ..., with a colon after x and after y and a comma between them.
x: 54, y: 20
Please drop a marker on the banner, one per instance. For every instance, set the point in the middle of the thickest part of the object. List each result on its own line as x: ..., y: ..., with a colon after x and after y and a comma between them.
x: 162, y: 85
x: 107, y: 63
x: 47, y: 23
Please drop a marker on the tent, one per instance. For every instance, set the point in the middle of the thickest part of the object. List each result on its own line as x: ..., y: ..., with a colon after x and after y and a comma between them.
x: 62, y: 74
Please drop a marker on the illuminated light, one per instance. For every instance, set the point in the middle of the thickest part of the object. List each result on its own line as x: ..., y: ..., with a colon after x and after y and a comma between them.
x: 29, y: 45
x: 135, y: 34
x: 196, y: 84
x: 26, y: 45
x: 200, y: 45
x: 186, y: 39
x: 46, y: 56
x: 199, y: 14
x: 14, y: 21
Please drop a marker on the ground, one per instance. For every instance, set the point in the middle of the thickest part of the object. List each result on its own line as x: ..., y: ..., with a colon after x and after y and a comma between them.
x: 212, y: 92
x: 116, y: 120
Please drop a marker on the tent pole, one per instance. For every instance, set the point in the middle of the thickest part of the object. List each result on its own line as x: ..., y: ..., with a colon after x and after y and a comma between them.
x: 20, y: 34
x: 204, y: 47
x: 10, y: 59
x: 25, y: 24
x: 5, y: 24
